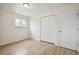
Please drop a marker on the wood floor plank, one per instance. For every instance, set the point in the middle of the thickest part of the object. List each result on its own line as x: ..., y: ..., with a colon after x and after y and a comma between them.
x: 33, y: 47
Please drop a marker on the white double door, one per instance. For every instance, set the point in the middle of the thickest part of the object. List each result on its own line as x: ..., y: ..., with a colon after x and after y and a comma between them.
x: 58, y: 30
x: 49, y: 29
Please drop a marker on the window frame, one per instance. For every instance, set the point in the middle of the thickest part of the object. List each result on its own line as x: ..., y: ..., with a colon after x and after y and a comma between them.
x: 20, y: 23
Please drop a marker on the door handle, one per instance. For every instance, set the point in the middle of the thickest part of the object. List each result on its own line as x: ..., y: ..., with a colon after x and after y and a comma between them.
x: 60, y: 31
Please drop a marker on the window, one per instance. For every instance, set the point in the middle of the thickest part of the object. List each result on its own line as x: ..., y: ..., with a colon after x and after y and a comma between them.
x: 20, y: 22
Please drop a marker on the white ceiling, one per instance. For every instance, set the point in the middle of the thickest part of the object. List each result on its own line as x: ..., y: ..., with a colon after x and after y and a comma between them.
x: 34, y: 8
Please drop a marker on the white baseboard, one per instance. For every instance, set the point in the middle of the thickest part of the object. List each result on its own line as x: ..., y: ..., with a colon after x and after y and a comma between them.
x: 4, y: 43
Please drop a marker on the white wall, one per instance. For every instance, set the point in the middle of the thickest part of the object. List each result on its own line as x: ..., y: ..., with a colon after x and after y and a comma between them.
x: 35, y: 27
x: 0, y: 26
x: 8, y: 32
x: 66, y: 10
x: 35, y: 20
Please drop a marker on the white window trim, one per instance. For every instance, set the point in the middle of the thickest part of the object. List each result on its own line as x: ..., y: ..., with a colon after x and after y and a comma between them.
x: 19, y: 23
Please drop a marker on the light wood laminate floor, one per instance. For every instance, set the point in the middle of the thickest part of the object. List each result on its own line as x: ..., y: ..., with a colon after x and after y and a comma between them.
x: 33, y: 47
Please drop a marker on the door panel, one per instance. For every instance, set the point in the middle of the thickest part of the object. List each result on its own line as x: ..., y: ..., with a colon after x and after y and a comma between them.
x: 77, y: 29
x: 43, y: 29
x: 67, y: 28
x: 49, y: 29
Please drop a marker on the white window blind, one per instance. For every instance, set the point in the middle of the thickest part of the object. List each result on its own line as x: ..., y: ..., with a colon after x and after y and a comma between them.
x: 20, y: 22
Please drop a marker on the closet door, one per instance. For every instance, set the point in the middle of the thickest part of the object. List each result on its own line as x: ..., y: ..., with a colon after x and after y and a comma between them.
x: 49, y: 29
x: 67, y: 30
x: 43, y: 29
x: 77, y: 30
x: 77, y: 34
